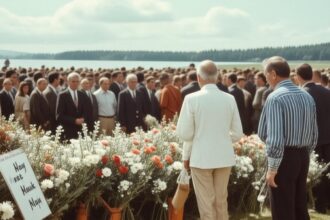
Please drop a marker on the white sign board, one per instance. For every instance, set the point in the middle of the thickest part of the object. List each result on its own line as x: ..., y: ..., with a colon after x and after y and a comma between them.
x: 23, y: 185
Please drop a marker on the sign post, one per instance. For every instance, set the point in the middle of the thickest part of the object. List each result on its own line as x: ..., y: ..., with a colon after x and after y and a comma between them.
x: 23, y: 185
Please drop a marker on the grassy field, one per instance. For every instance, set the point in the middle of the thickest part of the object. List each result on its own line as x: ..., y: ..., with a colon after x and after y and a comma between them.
x: 293, y: 64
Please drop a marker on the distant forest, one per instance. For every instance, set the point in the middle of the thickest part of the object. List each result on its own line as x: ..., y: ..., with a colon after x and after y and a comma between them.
x: 307, y: 52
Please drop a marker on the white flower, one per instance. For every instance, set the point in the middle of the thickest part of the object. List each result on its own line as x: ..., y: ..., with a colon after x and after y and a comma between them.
x: 124, y: 185
x: 159, y: 186
x: 63, y: 175
x: 91, y: 160
x: 177, y: 165
x: 74, y: 161
x: 67, y: 185
x: 165, y: 206
x: 106, y: 172
x: 261, y: 198
x: 47, y: 184
x: 7, y: 210
x: 136, y: 167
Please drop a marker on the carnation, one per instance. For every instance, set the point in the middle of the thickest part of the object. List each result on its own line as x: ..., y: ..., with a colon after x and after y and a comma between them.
x: 47, y: 184
x: 106, y: 172
x: 177, y: 165
x: 7, y: 210
x: 136, y: 167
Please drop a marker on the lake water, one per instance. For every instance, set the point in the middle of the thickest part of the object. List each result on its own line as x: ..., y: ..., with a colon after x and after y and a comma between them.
x: 108, y: 64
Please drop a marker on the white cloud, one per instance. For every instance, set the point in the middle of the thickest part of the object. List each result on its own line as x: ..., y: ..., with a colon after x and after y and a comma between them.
x: 141, y: 24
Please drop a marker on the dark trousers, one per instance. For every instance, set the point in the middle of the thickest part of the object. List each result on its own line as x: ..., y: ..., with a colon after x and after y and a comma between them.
x: 289, y: 199
x: 322, y: 189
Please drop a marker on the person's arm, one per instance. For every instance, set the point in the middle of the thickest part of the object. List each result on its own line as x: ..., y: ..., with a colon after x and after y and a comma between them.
x: 236, y: 131
x: 121, y: 110
x: 315, y: 131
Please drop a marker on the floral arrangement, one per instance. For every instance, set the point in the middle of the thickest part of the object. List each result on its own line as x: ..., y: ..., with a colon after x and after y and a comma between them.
x: 122, y: 170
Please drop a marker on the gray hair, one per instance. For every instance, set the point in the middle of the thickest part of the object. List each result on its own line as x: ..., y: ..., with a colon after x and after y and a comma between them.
x: 131, y: 77
x: 73, y: 75
x: 207, y: 70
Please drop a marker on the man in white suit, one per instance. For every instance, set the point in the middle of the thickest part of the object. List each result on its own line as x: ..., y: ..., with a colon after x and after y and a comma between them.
x: 209, y: 123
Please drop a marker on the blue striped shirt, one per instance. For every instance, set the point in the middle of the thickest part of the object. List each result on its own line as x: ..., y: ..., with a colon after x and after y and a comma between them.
x: 288, y: 119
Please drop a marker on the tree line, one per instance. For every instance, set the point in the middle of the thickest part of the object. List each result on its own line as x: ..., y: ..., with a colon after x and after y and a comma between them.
x: 306, y: 52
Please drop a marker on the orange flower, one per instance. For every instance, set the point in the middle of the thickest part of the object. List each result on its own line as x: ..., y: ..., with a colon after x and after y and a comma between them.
x: 160, y: 165
x: 155, y: 131
x: 136, y: 151
x: 147, y: 140
x: 168, y: 159
x: 153, y: 148
x: 104, y: 143
x: 147, y: 150
x: 49, y: 169
x: 156, y: 159
x: 123, y: 169
x: 135, y: 142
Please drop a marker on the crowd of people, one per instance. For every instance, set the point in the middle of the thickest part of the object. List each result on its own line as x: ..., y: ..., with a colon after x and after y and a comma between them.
x: 49, y: 97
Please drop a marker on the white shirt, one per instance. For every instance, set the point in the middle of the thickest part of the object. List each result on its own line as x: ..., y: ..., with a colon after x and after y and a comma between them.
x: 106, y: 101
x: 72, y: 94
x: 209, y: 123
x: 133, y: 93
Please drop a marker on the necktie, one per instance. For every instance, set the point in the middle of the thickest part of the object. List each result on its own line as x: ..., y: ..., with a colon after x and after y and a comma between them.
x: 75, y: 99
x: 90, y: 96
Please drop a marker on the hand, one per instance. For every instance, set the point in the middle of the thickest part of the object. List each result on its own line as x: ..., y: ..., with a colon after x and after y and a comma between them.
x: 79, y: 121
x: 270, y: 178
x: 186, y: 164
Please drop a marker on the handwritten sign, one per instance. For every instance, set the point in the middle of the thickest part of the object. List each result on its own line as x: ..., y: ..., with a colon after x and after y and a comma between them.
x: 23, y: 185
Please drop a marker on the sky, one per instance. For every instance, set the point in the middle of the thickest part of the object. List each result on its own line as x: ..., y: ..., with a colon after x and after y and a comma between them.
x: 49, y: 26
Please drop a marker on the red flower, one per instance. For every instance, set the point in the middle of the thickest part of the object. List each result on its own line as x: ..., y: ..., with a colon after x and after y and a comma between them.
x: 168, y: 159
x: 105, y: 159
x: 160, y: 165
x: 99, y: 173
x: 155, y: 131
x: 116, y: 160
x: 49, y: 169
x: 147, y: 140
x: 136, y: 151
x: 123, y: 169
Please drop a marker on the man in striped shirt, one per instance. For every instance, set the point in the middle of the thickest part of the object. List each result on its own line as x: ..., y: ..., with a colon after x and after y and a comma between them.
x: 288, y: 127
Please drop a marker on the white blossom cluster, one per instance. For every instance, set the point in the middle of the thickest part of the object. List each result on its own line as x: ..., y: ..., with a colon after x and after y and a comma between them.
x: 159, y: 186
x: 6, y: 210
x: 124, y: 185
x: 46, y: 184
x: 243, y: 166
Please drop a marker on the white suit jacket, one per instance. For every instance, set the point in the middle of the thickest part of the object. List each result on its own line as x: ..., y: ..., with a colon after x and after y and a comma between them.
x: 209, y: 123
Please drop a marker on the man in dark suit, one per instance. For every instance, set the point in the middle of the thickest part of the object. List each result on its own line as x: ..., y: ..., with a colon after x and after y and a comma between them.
x: 142, y: 88
x: 155, y: 107
x: 51, y: 94
x: 321, y: 97
x: 116, y: 85
x: 13, y: 76
x: 192, y: 84
x: 7, y: 99
x: 220, y: 85
x: 131, y: 112
x: 240, y: 101
x: 39, y: 107
x: 91, y: 103
x: 71, y: 108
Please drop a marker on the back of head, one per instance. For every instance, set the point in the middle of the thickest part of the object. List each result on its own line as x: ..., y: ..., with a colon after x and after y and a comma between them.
x: 207, y: 70
x: 140, y: 77
x: 232, y: 77
x: 192, y: 76
x: 277, y: 64
x: 164, y: 76
x: 37, y: 76
x: 305, y: 71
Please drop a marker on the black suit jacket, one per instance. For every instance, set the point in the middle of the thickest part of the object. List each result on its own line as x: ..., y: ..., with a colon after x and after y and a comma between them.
x: 92, y: 110
x: 222, y: 87
x: 190, y: 88
x: 131, y: 113
x: 155, y: 107
x: 321, y: 97
x: 67, y: 113
x: 40, y: 111
x: 251, y: 88
x: 146, y: 100
x: 114, y: 87
x: 7, y: 105
x: 51, y: 97
x: 239, y: 97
